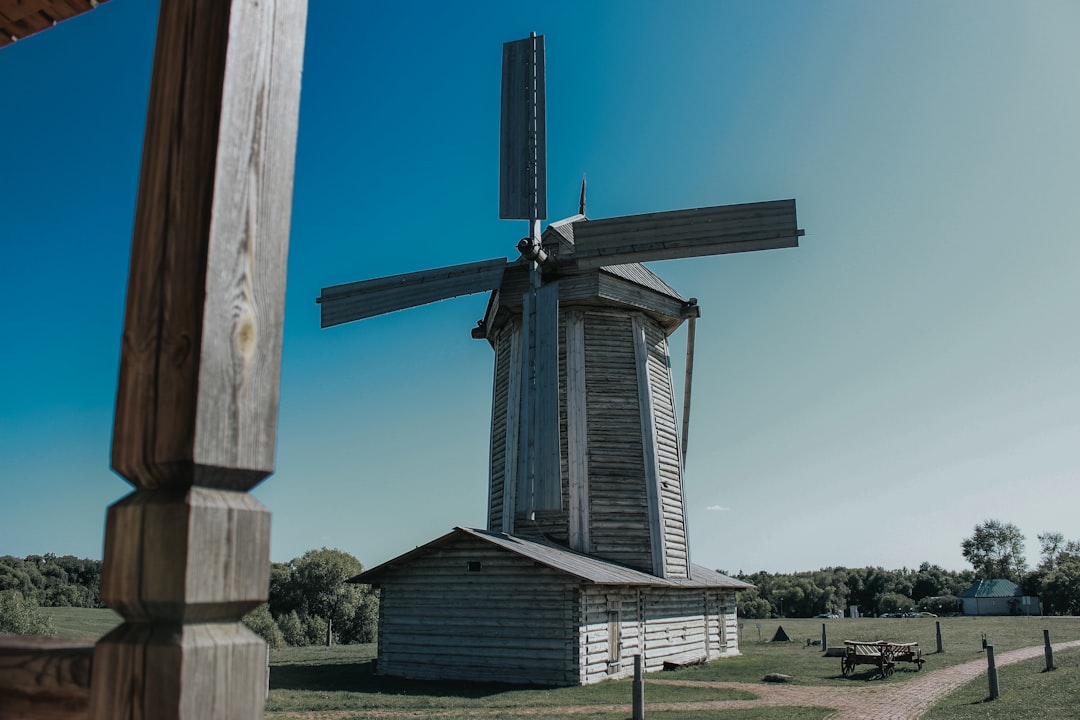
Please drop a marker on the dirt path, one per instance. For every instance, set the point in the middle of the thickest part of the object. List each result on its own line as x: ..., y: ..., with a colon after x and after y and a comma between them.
x: 900, y: 701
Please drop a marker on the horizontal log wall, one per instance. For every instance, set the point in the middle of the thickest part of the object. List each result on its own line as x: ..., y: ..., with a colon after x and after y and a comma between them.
x: 512, y: 621
x: 675, y: 627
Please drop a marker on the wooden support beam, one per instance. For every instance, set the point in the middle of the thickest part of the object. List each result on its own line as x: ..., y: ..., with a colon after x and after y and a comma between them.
x: 45, y: 678
x: 187, y: 553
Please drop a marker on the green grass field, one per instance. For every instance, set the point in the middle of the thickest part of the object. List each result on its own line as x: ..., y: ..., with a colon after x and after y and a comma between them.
x: 83, y: 623
x: 961, y: 642
x: 340, y: 679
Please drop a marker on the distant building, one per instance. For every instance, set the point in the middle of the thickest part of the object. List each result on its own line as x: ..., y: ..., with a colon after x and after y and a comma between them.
x: 998, y: 597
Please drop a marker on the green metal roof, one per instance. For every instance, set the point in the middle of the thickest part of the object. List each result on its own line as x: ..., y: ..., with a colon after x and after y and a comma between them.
x: 998, y: 587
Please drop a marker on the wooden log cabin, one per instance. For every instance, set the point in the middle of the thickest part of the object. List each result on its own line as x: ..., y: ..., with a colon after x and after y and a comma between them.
x: 187, y: 552
x: 567, y: 595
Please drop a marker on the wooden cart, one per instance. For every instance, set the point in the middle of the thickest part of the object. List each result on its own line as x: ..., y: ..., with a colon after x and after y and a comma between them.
x: 882, y: 654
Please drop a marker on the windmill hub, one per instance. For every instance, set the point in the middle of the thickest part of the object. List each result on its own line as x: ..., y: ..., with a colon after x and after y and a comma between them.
x: 531, y: 249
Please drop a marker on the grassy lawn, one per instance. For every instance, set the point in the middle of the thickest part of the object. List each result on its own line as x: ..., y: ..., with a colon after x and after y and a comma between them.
x: 340, y: 679
x: 1026, y: 692
x: 84, y: 623
x: 961, y: 641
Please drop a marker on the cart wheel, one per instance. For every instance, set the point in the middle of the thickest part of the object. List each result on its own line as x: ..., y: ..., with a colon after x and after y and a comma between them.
x: 918, y: 665
x: 846, y: 666
x: 887, y: 671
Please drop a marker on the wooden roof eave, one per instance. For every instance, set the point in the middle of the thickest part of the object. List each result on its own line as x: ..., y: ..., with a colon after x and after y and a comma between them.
x: 584, y: 568
x: 20, y: 19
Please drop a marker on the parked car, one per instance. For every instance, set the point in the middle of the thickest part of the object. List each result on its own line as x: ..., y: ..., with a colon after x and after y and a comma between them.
x: 827, y: 615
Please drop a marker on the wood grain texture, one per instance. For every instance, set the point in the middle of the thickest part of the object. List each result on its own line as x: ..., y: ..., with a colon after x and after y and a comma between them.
x: 187, y: 554
x: 46, y: 678
x: 198, y: 386
x: 186, y: 557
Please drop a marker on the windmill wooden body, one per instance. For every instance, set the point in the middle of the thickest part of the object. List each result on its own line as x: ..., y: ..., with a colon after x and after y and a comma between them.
x: 586, y: 456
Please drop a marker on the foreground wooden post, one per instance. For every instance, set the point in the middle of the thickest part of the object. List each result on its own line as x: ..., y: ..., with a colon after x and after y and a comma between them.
x: 638, y: 691
x: 1048, y: 650
x: 991, y: 672
x: 824, y: 638
x: 939, y: 646
x: 187, y: 553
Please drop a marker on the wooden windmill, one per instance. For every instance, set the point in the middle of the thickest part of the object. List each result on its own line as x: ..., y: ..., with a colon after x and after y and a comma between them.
x: 585, y: 448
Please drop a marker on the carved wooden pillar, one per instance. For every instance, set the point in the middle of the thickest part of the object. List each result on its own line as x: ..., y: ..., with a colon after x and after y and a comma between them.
x: 187, y: 553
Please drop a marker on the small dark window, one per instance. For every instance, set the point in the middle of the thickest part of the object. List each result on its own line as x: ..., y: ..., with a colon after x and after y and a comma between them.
x: 475, y: 566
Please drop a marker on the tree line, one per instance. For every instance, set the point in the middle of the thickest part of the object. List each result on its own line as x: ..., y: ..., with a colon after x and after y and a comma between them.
x: 310, y: 600
x: 995, y: 549
x: 874, y: 590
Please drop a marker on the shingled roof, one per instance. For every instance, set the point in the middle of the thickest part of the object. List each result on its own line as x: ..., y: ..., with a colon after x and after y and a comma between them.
x: 583, y: 567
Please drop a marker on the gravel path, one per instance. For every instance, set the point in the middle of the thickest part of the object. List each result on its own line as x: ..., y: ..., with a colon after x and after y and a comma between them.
x: 899, y: 701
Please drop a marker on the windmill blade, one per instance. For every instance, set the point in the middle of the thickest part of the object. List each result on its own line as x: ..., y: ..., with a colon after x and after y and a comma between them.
x: 686, y: 233
x: 522, y: 134
x: 368, y: 298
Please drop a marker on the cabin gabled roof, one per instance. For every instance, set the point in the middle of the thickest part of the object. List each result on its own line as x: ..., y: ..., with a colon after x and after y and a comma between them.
x: 997, y: 587
x: 556, y: 557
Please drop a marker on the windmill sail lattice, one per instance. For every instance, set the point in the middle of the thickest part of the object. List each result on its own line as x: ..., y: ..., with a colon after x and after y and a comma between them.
x: 585, y: 441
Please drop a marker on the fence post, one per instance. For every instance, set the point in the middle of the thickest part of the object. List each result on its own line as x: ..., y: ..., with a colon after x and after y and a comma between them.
x: 638, y: 690
x: 991, y: 672
x: 1048, y: 650
x: 939, y: 647
x: 824, y: 638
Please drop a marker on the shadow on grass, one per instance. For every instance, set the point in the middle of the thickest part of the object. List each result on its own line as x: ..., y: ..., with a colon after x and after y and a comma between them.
x: 360, y: 677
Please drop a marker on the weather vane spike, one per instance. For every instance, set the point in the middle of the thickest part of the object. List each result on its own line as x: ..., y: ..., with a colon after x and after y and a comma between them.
x: 581, y: 202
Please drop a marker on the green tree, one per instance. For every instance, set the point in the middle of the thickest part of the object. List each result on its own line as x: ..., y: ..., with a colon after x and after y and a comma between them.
x: 996, y: 550
x: 894, y: 602
x: 750, y: 604
x: 309, y: 596
x: 262, y: 624
x: 20, y: 616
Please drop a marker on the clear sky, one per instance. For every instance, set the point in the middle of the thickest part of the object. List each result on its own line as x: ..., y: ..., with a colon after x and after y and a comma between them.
x: 913, y: 369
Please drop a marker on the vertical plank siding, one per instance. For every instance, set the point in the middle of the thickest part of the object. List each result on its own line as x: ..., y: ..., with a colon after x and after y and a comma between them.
x: 576, y: 431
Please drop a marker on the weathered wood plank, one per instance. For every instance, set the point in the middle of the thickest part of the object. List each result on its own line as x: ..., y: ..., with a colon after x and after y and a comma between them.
x: 45, y: 678
x: 186, y: 555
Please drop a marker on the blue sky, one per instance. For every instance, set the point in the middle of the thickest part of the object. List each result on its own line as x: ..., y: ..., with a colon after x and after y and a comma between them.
x: 865, y: 399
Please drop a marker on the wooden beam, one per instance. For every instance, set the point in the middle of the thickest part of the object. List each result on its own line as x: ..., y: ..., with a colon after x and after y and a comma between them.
x: 45, y: 678
x: 187, y: 553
